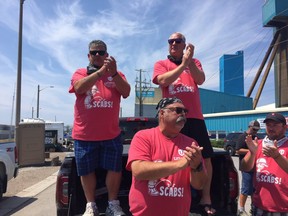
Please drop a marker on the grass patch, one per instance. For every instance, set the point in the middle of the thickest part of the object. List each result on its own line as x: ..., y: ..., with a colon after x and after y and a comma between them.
x: 217, y: 143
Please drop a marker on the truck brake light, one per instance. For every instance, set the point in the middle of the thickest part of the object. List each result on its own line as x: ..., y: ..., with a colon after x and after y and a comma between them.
x: 62, y: 189
x: 233, y: 184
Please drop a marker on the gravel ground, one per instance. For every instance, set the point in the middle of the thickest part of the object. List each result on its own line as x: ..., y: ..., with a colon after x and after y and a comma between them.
x: 31, y: 175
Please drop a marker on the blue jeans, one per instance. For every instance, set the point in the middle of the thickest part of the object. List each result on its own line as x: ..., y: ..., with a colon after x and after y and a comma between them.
x: 247, y: 183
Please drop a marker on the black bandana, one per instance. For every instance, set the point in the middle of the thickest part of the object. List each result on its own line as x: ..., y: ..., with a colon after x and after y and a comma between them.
x: 166, y: 101
x: 172, y: 59
x: 92, y: 68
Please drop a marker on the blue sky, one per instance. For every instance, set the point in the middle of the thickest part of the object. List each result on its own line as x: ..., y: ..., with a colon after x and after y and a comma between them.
x: 56, y: 34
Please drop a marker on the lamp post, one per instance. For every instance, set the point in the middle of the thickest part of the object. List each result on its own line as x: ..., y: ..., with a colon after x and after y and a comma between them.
x: 19, y: 77
x: 38, y: 94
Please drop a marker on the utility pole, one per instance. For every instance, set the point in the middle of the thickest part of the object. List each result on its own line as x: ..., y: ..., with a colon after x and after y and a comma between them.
x: 19, y: 76
x: 142, y: 87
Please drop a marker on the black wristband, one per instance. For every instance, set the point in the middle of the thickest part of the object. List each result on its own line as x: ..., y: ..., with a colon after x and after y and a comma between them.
x: 199, y: 168
x: 114, y: 75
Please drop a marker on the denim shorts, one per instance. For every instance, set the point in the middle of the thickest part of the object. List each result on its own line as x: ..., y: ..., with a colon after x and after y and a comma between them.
x: 91, y: 155
x: 247, y: 183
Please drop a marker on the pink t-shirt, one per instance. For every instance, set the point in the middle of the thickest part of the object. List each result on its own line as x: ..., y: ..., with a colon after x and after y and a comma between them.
x: 166, y: 196
x: 184, y: 87
x: 96, y: 113
x: 271, y: 182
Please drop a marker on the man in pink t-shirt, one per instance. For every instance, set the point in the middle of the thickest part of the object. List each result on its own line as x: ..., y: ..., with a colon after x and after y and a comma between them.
x: 269, y: 159
x: 98, y: 90
x: 179, y: 76
x: 164, y: 163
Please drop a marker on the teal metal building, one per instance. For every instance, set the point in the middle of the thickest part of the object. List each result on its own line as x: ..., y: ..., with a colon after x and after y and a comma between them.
x: 238, y: 121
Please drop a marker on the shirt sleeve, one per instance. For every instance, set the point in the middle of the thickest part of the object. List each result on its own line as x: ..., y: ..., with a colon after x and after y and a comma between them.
x: 79, y: 74
x: 140, y: 148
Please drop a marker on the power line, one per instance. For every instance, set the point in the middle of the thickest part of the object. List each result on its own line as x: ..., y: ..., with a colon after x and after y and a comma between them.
x: 141, y: 87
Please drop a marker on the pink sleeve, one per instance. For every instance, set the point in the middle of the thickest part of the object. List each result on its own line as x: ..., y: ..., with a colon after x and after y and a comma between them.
x: 122, y: 75
x: 159, y: 68
x: 140, y: 148
x: 79, y: 74
x: 198, y: 64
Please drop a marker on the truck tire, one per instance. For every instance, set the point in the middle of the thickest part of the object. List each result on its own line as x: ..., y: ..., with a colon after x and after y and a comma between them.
x: 230, y: 150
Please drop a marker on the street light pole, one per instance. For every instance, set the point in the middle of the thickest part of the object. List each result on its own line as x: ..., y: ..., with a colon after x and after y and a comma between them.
x: 38, y: 95
x: 19, y: 77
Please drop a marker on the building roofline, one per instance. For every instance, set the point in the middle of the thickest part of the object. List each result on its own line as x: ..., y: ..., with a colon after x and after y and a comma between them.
x: 246, y: 112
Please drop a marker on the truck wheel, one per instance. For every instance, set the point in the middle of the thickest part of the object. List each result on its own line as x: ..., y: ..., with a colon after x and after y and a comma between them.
x: 230, y: 150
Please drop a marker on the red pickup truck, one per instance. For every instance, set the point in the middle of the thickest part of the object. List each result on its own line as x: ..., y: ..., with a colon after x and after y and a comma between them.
x: 70, y: 199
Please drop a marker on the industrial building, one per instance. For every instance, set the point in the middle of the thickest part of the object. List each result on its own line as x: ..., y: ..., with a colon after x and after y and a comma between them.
x: 228, y: 110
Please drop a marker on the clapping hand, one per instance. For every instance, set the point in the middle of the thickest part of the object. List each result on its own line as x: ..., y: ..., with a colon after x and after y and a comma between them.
x: 188, y: 54
x: 110, y: 64
x: 252, y: 144
x: 271, y: 150
x: 193, y: 155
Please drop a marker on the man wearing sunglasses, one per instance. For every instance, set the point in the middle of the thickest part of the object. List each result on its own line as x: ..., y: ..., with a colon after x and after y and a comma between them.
x: 98, y: 90
x: 179, y: 76
x: 164, y: 163
x: 247, y: 177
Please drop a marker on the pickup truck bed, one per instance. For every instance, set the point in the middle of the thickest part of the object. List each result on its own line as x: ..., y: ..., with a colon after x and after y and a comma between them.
x: 70, y: 199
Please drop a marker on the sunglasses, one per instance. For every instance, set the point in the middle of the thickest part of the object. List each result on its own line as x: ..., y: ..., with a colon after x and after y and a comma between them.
x: 100, y: 52
x: 176, y: 40
x: 178, y: 110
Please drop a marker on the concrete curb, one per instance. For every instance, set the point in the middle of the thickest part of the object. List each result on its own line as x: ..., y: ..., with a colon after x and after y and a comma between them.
x: 14, y: 202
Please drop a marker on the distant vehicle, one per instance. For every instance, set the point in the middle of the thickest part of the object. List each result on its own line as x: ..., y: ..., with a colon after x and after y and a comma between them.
x: 53, y: 147
x: 216, y: 134
x: 68, y: 140
x: 8, y: 164
x: 70, y: 199
x: 54, y: 132
x: 231, y: 139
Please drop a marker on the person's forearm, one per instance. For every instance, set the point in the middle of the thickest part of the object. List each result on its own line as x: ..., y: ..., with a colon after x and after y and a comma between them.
x: 83, y: 85
x: 247, y: 163
x: 197, y: 74
x: 170, y: 76
x: 147, y: 170
x: 122, y: 85
x: 198, y: 179
x: 242, y: 151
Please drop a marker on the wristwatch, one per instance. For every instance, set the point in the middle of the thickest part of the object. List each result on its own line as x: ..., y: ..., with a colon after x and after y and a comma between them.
x: 199, y: 168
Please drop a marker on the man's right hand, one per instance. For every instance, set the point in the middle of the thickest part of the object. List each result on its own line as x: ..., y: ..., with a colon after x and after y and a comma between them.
x: 252, y: 144
x: 188, y: 55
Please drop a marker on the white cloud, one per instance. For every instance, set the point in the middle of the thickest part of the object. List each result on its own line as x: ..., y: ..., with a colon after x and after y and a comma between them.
x: 56, y: 36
